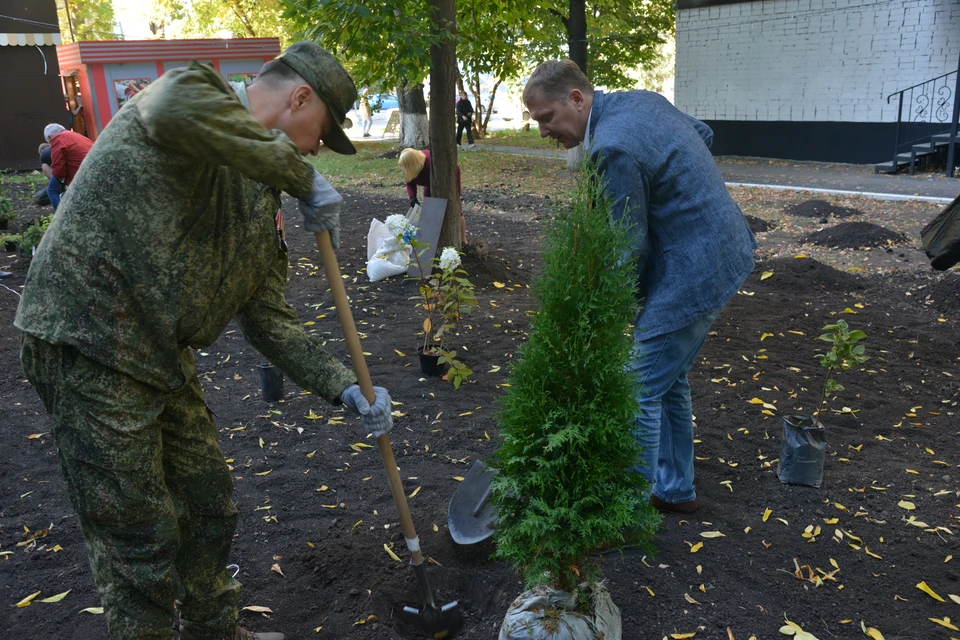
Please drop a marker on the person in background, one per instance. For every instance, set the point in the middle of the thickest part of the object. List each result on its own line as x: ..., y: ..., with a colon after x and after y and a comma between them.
x: 366, y: 113
x: 691, y: 242
x: 67, y: 151
x: 465, y: 120
x: 416, y: 172
x: 41, y: 198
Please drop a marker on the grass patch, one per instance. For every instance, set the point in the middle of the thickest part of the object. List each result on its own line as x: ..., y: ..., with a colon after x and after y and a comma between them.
x: 23, y: 177
x: 479, y: 170
x: 519, y: 138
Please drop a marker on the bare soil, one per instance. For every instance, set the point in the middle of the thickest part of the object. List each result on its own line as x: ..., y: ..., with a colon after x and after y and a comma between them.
x: 892, y: 443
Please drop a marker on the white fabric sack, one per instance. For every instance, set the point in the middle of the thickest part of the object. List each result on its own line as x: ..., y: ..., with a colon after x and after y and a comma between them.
x: 389, y: 258
x: 546, y: 614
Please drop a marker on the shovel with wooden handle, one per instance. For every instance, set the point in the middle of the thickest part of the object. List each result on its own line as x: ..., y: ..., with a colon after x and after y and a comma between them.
x: 439, y: 623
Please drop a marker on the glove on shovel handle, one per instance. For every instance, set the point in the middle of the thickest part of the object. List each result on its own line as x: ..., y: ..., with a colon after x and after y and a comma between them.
x: 332, y: 269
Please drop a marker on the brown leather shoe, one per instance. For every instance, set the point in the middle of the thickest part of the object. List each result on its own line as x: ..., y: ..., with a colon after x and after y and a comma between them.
x: 690, y: 506
x: 238, y: 634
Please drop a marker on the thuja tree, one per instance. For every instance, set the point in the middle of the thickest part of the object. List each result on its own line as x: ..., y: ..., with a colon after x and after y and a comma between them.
x: 564, y: 486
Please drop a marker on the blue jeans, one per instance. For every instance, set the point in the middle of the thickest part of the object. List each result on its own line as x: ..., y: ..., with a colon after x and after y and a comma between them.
x: 54, y: 191
x: 664, y: 425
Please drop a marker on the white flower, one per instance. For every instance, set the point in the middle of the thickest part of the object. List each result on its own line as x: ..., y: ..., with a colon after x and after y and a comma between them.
x: 449, y: 259
x: 397, y: 224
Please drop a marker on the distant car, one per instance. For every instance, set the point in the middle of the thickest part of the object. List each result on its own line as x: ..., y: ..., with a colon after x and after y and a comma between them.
x: 385, y: 102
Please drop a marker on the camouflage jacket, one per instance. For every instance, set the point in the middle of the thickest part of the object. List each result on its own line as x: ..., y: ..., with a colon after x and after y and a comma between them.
x: 168, y: 233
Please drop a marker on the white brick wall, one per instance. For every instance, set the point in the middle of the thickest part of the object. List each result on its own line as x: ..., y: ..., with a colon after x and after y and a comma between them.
x: 811, y: 60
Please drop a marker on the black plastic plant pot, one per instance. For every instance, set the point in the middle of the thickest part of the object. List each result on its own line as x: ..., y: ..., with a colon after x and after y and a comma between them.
x: 802, y: 451
x: 9, y: 247
x: 271, y: 382
x: 3, y: 223
x: 429, y: 364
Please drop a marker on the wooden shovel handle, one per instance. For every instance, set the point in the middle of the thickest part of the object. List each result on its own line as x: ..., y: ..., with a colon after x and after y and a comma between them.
x: 359, y: 363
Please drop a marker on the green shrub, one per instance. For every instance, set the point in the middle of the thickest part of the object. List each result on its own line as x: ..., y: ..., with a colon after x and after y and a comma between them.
x: 7, y: 212
x: 564, y: 487
x: 10, y: 237
x: 31, y: 236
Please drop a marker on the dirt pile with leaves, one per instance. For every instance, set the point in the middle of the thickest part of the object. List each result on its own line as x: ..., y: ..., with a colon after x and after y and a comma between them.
x: 317, y: 519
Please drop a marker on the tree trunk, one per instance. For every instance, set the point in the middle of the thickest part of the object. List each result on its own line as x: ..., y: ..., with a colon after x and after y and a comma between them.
x: 577, y: 40
x: 575, y: 157
x: 489, y: 108
x: 577, y: 33
x: 413, y: 117
x: 443, y: 120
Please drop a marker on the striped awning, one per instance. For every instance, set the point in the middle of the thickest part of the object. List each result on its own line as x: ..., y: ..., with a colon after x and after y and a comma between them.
x: 29, y: 39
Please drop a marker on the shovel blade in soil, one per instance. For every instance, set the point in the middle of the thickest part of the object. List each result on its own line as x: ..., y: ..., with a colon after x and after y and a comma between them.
x: 444, y: 623
x: 470, y: 517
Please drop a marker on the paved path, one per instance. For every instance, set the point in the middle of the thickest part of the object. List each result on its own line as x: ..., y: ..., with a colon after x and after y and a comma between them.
x: 811, y: 175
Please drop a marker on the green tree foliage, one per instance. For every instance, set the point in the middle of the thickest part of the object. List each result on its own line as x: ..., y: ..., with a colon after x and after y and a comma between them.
x: 384, y: 44
x: 492, y: 36
x: 620, y: 35
x: 564, y: 487
x: 86, y: 20
x: 212, y: 18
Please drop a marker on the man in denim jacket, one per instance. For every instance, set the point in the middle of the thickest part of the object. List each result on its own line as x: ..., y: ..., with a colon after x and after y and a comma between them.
x: 692, y: 244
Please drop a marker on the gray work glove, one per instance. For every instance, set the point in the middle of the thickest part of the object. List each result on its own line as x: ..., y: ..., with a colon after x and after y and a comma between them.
x: 321, y: 209
x: 378, y: 418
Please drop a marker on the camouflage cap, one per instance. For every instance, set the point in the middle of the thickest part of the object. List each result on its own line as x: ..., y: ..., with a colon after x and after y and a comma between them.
x: 331, y: 82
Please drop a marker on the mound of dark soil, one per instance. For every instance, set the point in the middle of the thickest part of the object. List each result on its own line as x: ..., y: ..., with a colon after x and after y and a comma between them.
x: 853, y: 235
x: 759, y: 225
x: 801, y: 275
x: 820, y: 209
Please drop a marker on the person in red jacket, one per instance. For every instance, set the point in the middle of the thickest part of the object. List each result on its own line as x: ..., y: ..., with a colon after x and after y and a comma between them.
x: 67, y: 151
x: 416, y: 172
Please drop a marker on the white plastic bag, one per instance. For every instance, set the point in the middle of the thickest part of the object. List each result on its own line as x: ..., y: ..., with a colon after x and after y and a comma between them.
x: 547, y: 614
x: 386, y: 256
x: 413, y: 216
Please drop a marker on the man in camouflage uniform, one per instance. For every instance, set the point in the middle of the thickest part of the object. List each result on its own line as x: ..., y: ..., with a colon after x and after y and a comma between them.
x: 166, y: 235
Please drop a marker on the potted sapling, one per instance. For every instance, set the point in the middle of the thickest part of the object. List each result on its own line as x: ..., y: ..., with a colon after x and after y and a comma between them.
x: 10, y: 242
x: 566, y: 484
x: 802, y: 451
x: 446, y: 295
x: 7, y: 212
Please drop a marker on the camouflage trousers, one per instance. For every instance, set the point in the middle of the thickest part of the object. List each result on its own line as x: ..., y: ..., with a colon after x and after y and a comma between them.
x: 146, y: 476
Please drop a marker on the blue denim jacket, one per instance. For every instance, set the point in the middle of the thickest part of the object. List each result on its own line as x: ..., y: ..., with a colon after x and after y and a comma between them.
x: 692, y: 242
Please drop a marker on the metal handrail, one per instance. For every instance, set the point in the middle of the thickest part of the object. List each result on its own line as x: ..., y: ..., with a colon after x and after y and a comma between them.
x: 950, y: 73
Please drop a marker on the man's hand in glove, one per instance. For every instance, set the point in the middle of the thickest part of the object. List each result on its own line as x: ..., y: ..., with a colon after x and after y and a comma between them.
x: 321, y: 209
x: 414, y: 202
x: 377, y: 418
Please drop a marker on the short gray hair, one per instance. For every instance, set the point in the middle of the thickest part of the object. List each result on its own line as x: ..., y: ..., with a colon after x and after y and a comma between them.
x: 555, y: 79
x: 51, y: 130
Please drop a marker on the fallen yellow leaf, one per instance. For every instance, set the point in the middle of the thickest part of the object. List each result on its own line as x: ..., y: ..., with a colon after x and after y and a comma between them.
x: 930, y: 592
x: 766, y: 514
x: 711, y: 534
x: 57, y: 598
x: 96, y: 611
x: 26, y: 601
x: 906, y: 504
x: 765, y: 275
x: 945, y: 623
x: 499, y: 285
x: 696, y: 547
x: 390, y: 553
x: 871, y: 632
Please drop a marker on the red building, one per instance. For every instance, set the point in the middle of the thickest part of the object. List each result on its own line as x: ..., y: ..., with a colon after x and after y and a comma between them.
x: 106, y: 73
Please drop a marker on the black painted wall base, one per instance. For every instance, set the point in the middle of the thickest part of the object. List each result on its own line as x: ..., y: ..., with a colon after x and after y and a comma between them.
x: 852, y: 142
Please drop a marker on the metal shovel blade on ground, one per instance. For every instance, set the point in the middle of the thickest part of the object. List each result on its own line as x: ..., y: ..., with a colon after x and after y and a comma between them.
x: 470, y: 517
x: 439, y: 623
